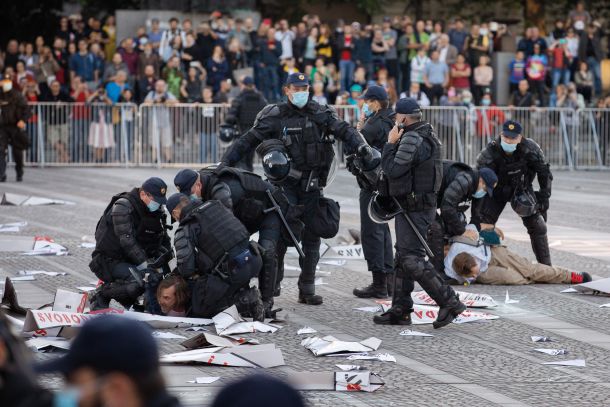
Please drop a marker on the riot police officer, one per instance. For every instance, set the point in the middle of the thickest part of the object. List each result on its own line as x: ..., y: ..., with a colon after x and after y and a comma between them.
x: 131, y: 245
x: 303, y: 130
x: 242, y: 113
x: 461, y: 184
x: 412, y: 175
x: 376, y: 122
x: 245, y: 194
x: 14, y: 111
x: 517, y: 160
x: 215, y: 255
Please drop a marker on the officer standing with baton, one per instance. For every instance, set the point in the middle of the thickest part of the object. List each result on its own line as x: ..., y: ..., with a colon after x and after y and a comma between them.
x: 412, y: 175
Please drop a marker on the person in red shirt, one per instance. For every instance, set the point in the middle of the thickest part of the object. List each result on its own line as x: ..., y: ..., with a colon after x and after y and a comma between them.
x: 561, y: 60
x: 460, y: 74
x: 81, y: 116
x: 345, y: 43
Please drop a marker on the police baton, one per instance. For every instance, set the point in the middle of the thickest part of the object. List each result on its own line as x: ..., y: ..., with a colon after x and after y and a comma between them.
x: 419, y: 236
x: 276, y: 208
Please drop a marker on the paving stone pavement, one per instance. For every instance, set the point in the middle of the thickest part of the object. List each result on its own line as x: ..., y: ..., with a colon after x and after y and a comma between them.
x: 481, y: 363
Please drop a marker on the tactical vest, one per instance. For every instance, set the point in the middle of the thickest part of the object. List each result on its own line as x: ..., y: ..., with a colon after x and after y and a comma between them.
x: 417, y: 189
x: 512, y: 171
x: 253, y: 185
x: 148, y: 226
x: 451, y: 169
x: 220, y: 232
x: 308, y: 147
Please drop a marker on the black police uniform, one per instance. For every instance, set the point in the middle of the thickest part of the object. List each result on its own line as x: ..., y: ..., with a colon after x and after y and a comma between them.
x: 13, y: 108
x: 376, y: 238
x: 412, y: 173
x: 516, y: 172
x: 460, y: 182
x: 245, y: 194
x: 215, y: 255
x: 127, y: 236
x: 242, y: 113
x: 306, y: 134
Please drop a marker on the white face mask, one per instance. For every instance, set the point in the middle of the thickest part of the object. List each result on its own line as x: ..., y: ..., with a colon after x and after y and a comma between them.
x: 7, y: 86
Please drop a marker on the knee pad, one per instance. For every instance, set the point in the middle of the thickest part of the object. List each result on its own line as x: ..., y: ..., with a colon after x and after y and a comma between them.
x: 410, y: 265
x: 535, y: 224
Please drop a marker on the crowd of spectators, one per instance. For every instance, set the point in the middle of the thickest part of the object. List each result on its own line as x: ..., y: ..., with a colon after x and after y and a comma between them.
x: 438, y: 63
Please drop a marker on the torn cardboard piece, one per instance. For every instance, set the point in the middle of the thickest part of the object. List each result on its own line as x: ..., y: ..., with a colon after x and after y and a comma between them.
x: 166, y: 335
x: 347, y: 252
x: 36, y: 272
x: 208, y: 340
x: 330, y: 345
x: 29, y: 200
x: 408, y: 332
x: 553, y: 352
x: 12, y: 227
x: 22, y: 278
x: 306, y: 330
x: 595, y: 287
x: 229, y: 322
x: 45, y: 246
x: 472, y: 300
x: 569, y: 290
x: 204, y: 380
x: 9, y: 298
x: 605, y: 305
x: 508, y: 300
x: 382, y: 357
x: 255, y: 356
x: 68, y: 301
x: 164, y: 322
x: 541, y: 339
x: 336, y: 381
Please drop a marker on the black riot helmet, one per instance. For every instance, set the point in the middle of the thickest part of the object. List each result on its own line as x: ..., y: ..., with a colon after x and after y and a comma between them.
x: 276, y: 165
x: 275, y: 158
x: 382, y: 209
x: 227, y: 133
x: 524, y: 203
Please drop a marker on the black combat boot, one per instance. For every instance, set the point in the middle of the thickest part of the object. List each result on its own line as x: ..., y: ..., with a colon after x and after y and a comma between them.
x: 402, y: 304
x: 310, y: 299
x: 307, y: 288
x: 249, y: 304
x: 448, y: 312
x: 394, y: 316
x: 378, y: 289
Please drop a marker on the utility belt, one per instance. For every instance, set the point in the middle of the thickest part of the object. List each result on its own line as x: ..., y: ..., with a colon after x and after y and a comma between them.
x: 234, y: 260
x: 307, y: 181
x: 415, y: 202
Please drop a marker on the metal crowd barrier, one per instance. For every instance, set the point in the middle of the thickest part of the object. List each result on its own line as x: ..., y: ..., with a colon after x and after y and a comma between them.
x: 94, y: 134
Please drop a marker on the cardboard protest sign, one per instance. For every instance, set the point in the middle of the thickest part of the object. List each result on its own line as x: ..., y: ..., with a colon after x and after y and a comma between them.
x: 163, y: 322
x: 45, y: 246
x: 28, y: 200
x: 38, y: 319
x: 423, y: 314
x: 347, y: 252
x: 472, y: 300
x: 229, y: 322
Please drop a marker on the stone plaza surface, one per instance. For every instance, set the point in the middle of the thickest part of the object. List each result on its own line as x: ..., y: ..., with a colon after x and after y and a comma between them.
x: 479, y: 363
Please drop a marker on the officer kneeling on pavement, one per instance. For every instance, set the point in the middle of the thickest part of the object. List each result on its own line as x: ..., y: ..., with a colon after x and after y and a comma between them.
x: 132, y: 247
x: 517, y: 161
x: 461, y: 184
x: 375, y: 123
x: 247, y: 196
x: 301, y: 130
x: 411, y: 178
x: 216, y: 257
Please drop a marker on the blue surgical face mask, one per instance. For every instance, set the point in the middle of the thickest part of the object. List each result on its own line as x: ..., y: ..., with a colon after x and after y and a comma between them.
x: 153, y: 206
x: 299, y: 99
x: 366, y: 110
x: 508, y: 148
x: 194, y: 197
x: 486, y: 102
x: 479, y: 194
x: 66, y: 398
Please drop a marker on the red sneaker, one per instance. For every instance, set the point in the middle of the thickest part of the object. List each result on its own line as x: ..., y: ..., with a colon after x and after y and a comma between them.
x: 579, y: 278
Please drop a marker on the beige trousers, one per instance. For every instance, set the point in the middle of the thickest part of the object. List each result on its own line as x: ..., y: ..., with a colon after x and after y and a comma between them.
x: 508, y: 268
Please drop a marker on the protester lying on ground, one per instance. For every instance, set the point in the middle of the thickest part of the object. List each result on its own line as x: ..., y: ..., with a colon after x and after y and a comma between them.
x: 173, y: 295
x: 487, y: 262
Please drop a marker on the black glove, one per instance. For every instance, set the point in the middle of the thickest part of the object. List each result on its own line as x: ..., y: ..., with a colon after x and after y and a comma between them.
x: 351, y: 166
x: 543, y: 202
